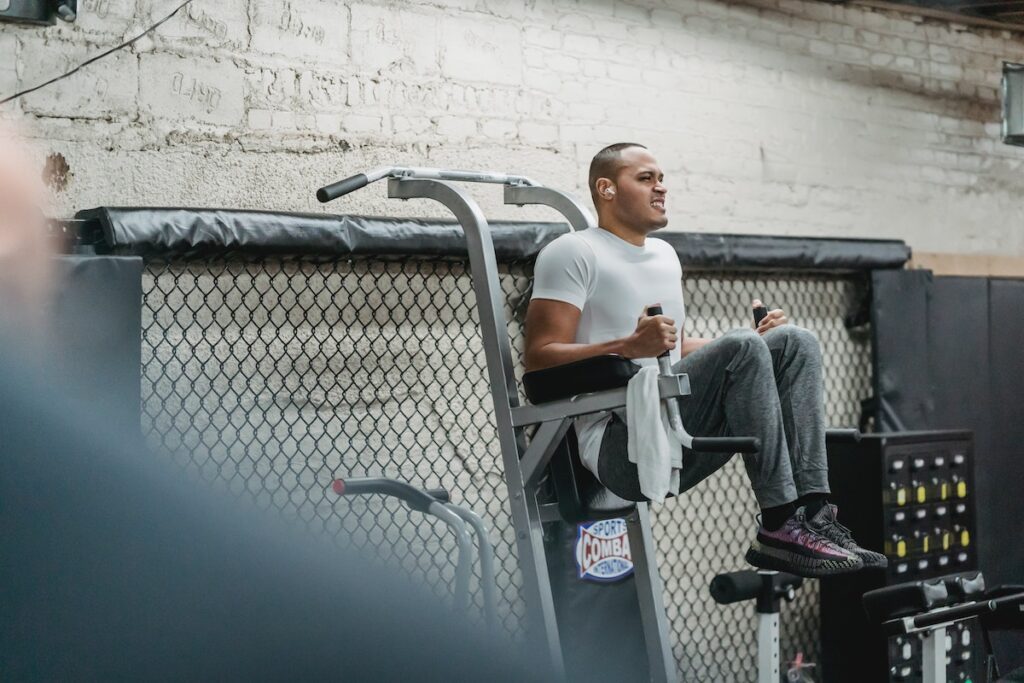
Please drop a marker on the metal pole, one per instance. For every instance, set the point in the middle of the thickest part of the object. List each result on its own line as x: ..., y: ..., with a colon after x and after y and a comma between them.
x: 575, y: 212
x: 649, y: 592
x: 462, y: 569
x: 542, y: 625
x: 545, y: 440
x: 767, y: 647
x: 933, y: 664
x: 486, y: 552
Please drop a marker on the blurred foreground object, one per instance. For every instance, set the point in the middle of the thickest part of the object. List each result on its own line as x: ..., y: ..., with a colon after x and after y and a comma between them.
x: 117, y: 568
x: 25, y: 253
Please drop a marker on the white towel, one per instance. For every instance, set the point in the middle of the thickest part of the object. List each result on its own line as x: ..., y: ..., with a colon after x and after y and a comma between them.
x: 653, y: 447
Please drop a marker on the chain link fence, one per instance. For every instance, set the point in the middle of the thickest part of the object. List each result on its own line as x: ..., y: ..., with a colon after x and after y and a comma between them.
x: 272, y: 376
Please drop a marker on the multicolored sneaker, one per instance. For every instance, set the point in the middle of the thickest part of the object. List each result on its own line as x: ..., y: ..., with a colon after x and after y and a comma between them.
x: 798, y: 549
x: 826, y: 524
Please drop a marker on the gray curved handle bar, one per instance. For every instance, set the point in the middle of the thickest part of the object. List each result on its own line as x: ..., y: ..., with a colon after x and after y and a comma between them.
x: 360, y: 180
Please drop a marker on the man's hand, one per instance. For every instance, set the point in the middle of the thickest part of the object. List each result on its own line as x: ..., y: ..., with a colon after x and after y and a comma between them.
x: 654, y: 335
x: 772, y: 320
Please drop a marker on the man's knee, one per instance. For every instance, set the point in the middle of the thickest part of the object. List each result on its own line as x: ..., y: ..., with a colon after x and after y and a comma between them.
x: 794, y: 339
x: 745, y: 345
x: 741, y: 339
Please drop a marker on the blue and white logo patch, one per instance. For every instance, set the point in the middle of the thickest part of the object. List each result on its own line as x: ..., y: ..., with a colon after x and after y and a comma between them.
x: 602, y: 551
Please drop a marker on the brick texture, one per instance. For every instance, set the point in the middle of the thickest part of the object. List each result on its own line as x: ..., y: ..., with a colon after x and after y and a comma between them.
x: 769, y: 116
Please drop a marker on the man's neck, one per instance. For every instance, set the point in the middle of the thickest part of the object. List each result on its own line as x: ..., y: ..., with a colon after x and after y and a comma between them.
x: 625, y: 233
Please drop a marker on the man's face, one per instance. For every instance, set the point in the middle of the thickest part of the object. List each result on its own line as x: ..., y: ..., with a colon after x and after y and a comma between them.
x: 639, y: 198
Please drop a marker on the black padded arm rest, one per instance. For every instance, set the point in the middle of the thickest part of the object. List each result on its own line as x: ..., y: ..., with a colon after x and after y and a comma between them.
x: 599, y: 373
x: 905, y: 599
x: 965, y: 586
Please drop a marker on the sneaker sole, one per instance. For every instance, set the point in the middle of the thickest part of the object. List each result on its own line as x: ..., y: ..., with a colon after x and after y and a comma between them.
x: 766, y: 557
x: 872, y: 563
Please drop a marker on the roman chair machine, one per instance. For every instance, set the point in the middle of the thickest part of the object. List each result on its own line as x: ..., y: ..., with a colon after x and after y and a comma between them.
x: 557, y: 395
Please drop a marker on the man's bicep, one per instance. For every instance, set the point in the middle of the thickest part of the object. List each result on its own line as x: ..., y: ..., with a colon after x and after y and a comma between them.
x: 551, y: 321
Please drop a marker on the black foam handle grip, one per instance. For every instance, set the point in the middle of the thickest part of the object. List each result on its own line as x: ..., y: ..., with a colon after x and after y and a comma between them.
x: 727, y: 444
x: 440, y: 495
x: 657, y: 310
x: 747, y: 585
x: 341, y: 188
x: 735, y: 587
x: 759, y: 313
x: 413, y: 497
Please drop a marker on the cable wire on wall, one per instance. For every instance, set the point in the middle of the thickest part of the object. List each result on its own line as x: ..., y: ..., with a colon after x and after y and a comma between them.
x: 97, y: 57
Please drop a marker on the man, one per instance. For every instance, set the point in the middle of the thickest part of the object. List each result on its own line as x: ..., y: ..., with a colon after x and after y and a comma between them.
x: 588, y: 288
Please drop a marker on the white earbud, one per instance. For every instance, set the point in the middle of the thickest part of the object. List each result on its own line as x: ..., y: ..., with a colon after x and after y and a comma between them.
x: 609, y: 193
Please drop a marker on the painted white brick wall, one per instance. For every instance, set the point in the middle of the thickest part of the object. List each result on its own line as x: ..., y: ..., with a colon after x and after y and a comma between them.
x: 769, y: 116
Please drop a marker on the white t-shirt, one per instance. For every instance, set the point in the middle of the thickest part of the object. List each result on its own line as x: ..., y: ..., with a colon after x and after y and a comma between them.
x: 611, y: 281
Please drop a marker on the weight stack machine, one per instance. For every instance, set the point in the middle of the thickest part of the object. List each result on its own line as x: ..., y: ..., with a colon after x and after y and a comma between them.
x: 911, y: 496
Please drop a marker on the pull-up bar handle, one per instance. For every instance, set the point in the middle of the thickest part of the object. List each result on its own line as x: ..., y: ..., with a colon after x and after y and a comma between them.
x: 342, y: 187
x: 361, y: 180
x: 416, y: 499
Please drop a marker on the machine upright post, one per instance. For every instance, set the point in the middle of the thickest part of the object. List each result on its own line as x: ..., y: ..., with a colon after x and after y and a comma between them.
x: 768, y: 647
x: 542, y: 627
x: 649, y: 592
x: 769, y: 603
x: 933, y: 664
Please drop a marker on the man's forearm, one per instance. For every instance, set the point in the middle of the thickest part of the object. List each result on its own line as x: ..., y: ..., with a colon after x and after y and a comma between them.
x: 558, y: 353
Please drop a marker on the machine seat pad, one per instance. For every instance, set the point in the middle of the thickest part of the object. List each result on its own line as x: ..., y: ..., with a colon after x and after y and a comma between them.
x: 965, y: 586
x: 905, y: 599
x: 598, y: 373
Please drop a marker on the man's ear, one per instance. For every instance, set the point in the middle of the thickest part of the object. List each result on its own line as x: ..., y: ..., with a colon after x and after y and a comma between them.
x: 605, y: 188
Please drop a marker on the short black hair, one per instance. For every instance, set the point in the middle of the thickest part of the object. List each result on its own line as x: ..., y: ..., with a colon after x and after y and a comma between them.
x: 606, y: 164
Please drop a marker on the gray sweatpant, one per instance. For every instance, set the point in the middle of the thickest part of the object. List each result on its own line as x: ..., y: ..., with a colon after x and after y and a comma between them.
x: 743, y: 384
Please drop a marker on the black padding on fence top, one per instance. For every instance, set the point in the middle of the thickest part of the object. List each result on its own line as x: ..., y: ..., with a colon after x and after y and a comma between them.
x: 155, y: 231
x: 146, y: 232
x: 767, y: 252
